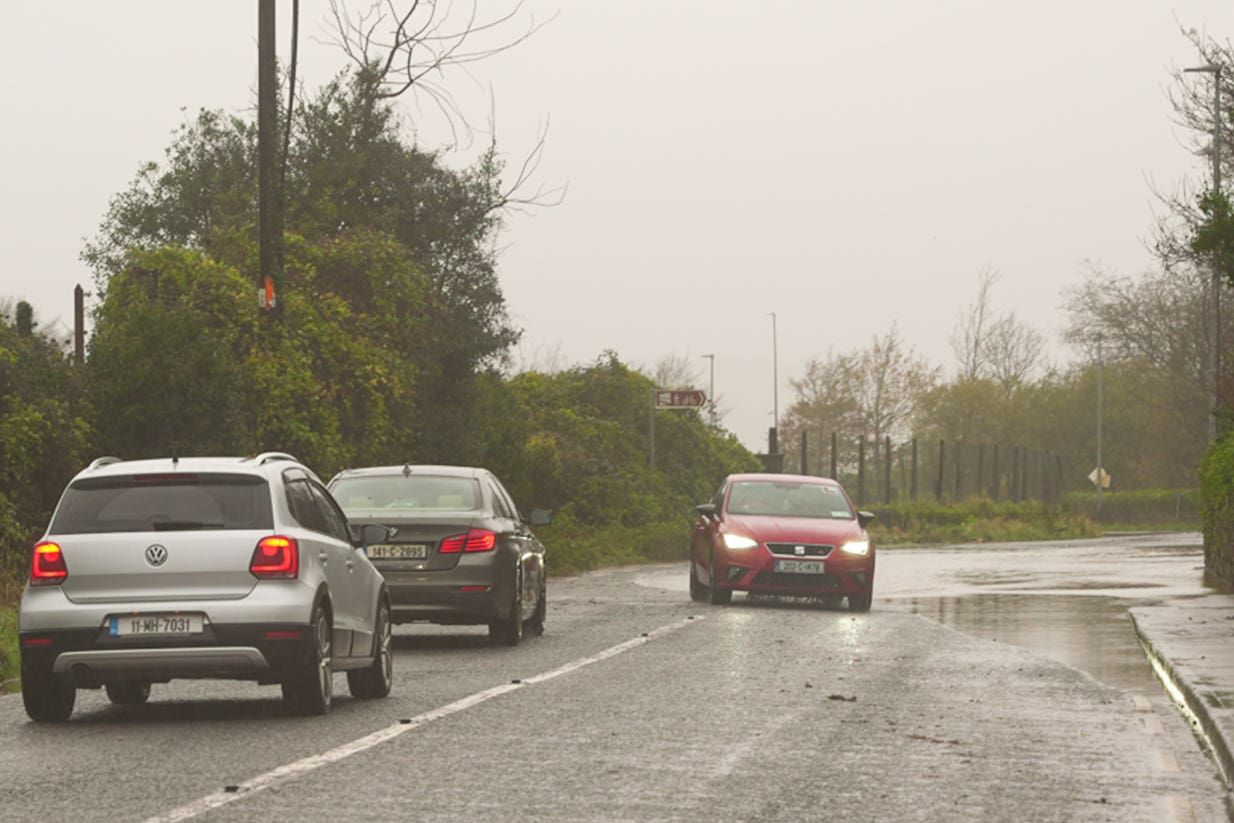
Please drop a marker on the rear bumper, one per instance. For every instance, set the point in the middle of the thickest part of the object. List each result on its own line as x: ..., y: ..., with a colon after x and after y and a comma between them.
x: 90, y: 658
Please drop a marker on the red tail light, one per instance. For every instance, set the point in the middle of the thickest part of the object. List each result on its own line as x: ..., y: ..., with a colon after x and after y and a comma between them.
x: 47, y: 566
x: 276, y: 558
x: 476, y: 540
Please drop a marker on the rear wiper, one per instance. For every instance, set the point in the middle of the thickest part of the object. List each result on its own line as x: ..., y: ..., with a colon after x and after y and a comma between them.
x: 182, y: 525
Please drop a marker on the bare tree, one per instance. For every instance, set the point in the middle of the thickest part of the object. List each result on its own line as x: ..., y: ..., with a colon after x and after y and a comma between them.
x: 968, y: 338
x: 677, y: 371
x: 995, y: 347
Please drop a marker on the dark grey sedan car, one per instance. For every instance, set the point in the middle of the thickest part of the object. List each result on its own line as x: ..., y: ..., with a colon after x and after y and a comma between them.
x: 459, y: 552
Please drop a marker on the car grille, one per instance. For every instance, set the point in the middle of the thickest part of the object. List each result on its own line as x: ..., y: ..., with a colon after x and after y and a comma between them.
x: 790, y: 549
x: 820, y: 582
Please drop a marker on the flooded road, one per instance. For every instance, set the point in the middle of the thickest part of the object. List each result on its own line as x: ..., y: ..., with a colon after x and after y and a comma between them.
x: 1067, y: 601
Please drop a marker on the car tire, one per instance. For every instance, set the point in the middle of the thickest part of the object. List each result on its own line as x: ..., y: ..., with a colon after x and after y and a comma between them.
x: 47, y: 698
x: 128, y: 692
x: 536, y: 624
x: 509, y: 631
x: 309, y: 687
x: 716, y: 596
x: 697, y: 593
x: 376, y: 680
x: 860, y: 602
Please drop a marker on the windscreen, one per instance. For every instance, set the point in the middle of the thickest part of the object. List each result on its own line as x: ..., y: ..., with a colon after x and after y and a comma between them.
x: 787, y: 499
x: 164, y: 502
x: 412, y: 494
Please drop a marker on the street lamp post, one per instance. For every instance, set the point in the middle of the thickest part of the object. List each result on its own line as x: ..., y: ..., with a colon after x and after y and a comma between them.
x: 1215, y: 319
x: 775, y: 390
x: 711, y: 391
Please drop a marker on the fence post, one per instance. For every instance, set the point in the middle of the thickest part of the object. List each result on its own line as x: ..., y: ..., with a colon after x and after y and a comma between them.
x: 995, y: 480
x: 833, y: 456
x: 804, y: 446
x: 886, y: 470
x: 959, y: 463
x: 861, y: 471
x: 938, y: 485
x: 912, y: 488
x: 980, y: 487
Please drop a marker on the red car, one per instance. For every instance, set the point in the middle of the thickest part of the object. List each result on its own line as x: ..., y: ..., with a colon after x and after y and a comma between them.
x: 782, y: 534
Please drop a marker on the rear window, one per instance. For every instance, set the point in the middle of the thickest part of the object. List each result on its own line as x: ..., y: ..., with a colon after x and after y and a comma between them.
x: 135, y: 503
x: 413, y: 494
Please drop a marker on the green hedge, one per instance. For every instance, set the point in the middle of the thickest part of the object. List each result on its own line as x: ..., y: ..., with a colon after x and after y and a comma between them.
x: 975, y: 521
x: 1179, y: 508
x: 1217, y: 493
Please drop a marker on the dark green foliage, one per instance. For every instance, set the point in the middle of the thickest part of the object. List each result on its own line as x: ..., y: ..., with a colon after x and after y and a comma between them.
x: 1217, y: 492
x: 349, y: 170
x: 975, y: 521
x: 585, y: 456
x: 43, y: 433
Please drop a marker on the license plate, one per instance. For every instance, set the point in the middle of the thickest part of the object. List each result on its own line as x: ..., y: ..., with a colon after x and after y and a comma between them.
x: 800, y: 566
x: 175, y: 625
x: 403, y: 551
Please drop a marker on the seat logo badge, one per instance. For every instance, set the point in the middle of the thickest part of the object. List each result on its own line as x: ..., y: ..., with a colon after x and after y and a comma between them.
x: 156, y: 555
x: 799, y: 550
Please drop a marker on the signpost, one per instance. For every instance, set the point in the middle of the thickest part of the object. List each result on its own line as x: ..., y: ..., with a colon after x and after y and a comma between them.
x: 670, y: 399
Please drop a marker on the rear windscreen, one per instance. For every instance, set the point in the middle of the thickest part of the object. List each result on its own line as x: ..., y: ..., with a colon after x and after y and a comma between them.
x: 416, y: 493
x: 134, y: 503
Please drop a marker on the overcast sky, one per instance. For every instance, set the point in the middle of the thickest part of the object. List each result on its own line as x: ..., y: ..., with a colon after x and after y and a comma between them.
x: 845, y: 165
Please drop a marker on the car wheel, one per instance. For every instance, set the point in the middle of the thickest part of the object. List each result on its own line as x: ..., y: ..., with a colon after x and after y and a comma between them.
x: 128, y: 692
x: 47, y: 698
x: 697, y: 592
x: 310, y: 686
x: 375, y: 680
x: 860, y: 602
x: 509, y: 632
x: 716, y: 596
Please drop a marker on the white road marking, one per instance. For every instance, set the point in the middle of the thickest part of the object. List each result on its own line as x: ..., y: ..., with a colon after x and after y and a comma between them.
x: 308, y: 764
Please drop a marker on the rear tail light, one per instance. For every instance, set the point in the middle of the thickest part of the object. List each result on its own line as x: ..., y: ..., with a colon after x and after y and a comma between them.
x: 276, y: 558
x: 476, y: 540
x: 47, y: 567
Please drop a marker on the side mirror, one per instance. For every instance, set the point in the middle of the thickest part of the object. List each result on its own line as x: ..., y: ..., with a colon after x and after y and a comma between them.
x: 539, y: 517
x: 371, y: 533
x: 864, y: 518
x: 706, y: 509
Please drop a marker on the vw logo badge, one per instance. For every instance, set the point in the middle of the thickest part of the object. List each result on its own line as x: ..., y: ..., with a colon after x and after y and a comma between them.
x: 393, y: 531
x: 799, y: 550
x: 156, y: 555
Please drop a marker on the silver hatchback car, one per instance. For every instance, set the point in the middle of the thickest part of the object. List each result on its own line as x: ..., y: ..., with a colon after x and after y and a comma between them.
x: 235, y: 568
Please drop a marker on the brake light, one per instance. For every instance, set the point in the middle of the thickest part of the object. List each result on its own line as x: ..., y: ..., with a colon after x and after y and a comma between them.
x: 276, y: 558
x: 47, y: 566
x: 476, y: 540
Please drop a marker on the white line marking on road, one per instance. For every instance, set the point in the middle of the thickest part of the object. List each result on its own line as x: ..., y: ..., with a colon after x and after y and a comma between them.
x: 308, y: 764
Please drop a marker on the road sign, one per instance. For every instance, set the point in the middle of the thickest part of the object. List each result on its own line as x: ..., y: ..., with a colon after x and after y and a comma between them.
x: 680, y: 399
x: 1105, y: 478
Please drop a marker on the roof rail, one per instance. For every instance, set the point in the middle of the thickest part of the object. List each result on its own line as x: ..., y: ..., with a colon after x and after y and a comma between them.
x: 102, y: 461
x: 266, y: 457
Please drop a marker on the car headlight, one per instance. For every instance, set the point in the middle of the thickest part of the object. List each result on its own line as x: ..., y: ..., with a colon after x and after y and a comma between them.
x: 739, y: 541
x: 861, y: 547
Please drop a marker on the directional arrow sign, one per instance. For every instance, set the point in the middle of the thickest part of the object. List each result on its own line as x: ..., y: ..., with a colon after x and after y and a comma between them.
x: 680, y: 399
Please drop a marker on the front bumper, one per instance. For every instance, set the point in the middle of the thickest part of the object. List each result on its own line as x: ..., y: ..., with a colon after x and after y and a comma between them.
x: 755, y: 570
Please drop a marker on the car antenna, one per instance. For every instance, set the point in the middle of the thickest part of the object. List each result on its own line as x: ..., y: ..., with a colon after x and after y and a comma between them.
x: 406, y: 470
x: 175, y: 461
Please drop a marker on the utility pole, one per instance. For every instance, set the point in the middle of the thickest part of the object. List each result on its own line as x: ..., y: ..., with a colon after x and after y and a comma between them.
x: 711, y: 391
x: 1100, y: 470
x: 1215, y: 319
x: 268, y: 225
x: 775, y: 390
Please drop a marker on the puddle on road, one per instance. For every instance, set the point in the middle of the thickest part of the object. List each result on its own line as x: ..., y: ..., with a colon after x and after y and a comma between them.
x: 1093, y: 634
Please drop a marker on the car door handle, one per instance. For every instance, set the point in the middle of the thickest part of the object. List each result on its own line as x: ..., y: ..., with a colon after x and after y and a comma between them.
x: 323, y: 557
x: 351, y: 565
